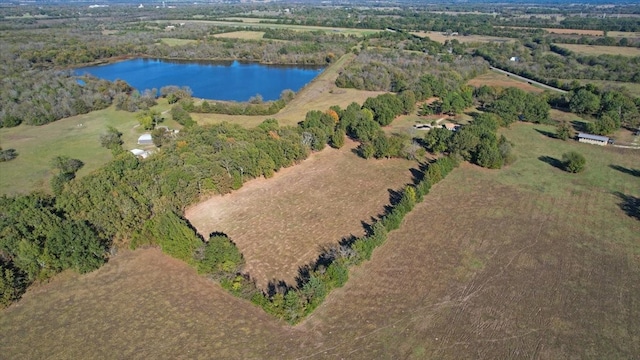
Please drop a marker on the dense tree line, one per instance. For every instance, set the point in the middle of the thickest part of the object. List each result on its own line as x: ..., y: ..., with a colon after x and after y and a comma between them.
x: 608, y: 109
x: 426, y: 76
x: 39, y: 97
x: 37, y: 241
x: 535, y: 62
x: 476, y: 142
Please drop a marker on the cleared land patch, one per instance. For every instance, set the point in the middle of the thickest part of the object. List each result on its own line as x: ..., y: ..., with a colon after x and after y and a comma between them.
x: 492, y: 78
x: 601, y: 50
x: 176, y: 42
x: 280, y: 224
x: 441, y: 38
x: 244, y: 35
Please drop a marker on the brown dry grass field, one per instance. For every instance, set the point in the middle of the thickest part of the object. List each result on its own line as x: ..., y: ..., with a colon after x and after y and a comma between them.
x: 493, y: 78
x: 627, y: 34
x: 575, y: 31
x: 441, y: 38
x: 602, y: 50
x: 318, y: 202
x: 563, y: 31
x: 320, y: 94
x: 244, y: 35
x: 524, y: 262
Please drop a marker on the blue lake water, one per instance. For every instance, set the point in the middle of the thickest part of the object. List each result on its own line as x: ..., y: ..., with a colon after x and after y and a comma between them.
x: 220, y: 81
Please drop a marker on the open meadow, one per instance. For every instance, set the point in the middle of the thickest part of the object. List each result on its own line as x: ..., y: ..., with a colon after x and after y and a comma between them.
x: 320, y: 201
x: 243, y: 35
x: 524, y: 262
x: 441, y: 38
x: 493, y: 78
x: 177, y: 42
x: 77, y: 137
x: 601, y: 50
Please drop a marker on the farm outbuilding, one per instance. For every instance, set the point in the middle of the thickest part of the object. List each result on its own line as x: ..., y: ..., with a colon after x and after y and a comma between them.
x: 593, y: 139
x: 145, y: 139
x: 140, y: 153
x: 451, y: 127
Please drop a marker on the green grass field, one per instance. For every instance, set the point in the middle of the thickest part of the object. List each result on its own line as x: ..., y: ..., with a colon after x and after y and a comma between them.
x: 77, y: 137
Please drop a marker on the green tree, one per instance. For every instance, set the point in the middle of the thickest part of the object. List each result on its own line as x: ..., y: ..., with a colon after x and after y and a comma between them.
x: 437, y: 139
x: 564, y: 130
x: 112, y: 140
x: 584, y: 101
x: 573, y: 162
x: 148, y: 119
x: 337, y: 139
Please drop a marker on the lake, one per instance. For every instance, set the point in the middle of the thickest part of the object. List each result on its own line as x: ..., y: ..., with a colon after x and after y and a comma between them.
x: 209, y: 80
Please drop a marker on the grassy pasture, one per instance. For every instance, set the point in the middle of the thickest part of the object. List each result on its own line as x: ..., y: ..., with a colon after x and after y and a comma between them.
x: 319, y: 94
x: 621, y: 34
x: 317, y: 202
x: 493, y: 78
x: 601, y: 50
x: 441, y: 38
x: 244, y: 35
x: 524, y: 262
x: 176, y: 42
x: 77, y: 137
x: 528, y: 260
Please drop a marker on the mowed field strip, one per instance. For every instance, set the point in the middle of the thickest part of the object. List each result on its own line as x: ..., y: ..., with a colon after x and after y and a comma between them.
x: 280, y: 224
x: 524, y: 262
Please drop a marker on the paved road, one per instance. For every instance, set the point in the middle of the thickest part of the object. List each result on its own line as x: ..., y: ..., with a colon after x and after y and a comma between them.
x: 532, y: 82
